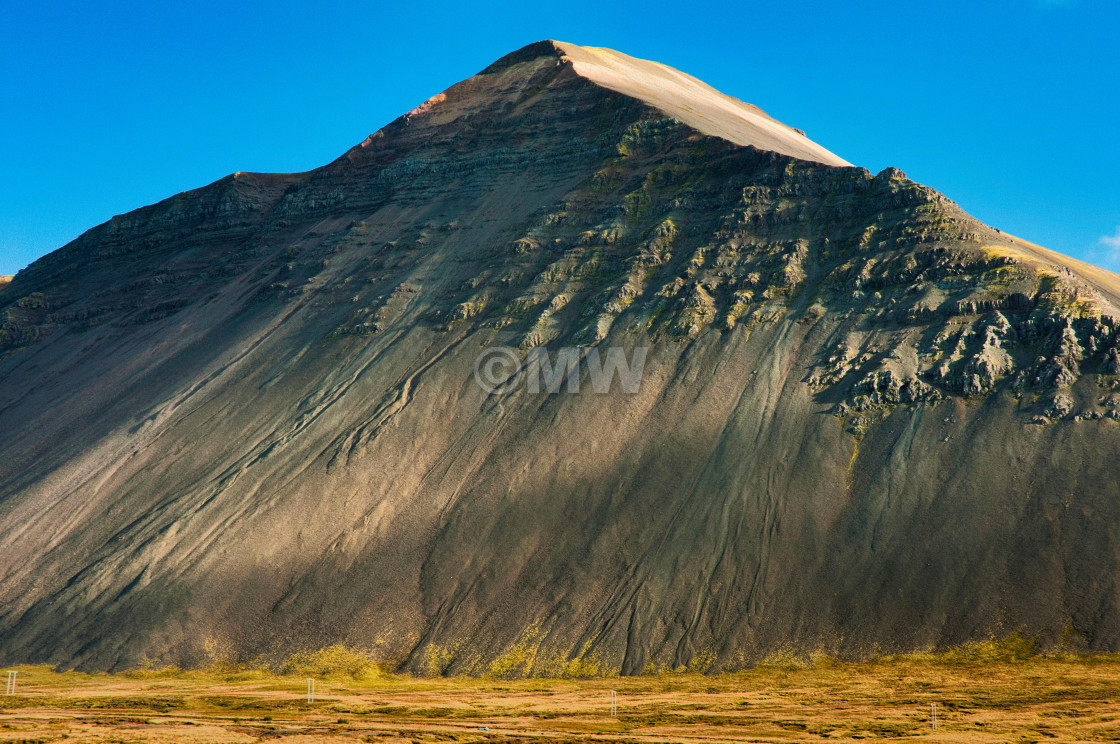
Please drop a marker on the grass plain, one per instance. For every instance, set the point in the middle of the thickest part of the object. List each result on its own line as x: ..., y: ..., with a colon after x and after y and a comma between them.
x: 983, y: 694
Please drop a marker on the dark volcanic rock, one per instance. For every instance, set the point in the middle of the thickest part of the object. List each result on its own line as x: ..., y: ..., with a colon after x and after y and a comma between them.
x: 246, y: 417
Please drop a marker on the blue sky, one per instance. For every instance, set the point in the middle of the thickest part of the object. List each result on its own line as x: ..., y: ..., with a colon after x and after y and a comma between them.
x: 1010, y: 107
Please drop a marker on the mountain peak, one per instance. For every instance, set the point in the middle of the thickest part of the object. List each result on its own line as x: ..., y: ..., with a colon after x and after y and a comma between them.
x: 677, y: 94
x: 527, y: 53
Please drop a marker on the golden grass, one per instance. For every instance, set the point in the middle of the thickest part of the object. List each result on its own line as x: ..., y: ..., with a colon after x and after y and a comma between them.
x: 986, y: 692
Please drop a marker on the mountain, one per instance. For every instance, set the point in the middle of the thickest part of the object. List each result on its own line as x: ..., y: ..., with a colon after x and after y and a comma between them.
x: 245, y: 421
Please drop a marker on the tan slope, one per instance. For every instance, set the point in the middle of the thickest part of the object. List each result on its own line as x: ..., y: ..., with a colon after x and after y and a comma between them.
x: 1105, y: 282
x: 693, y: 102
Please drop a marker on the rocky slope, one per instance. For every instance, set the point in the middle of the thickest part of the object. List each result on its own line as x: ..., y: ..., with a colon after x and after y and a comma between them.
x: 244, y: 421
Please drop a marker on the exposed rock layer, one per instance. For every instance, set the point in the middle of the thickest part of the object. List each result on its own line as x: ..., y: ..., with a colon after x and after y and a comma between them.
x: 245, y: 418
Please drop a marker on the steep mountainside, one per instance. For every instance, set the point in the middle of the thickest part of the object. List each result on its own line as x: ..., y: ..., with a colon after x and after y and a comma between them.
x: 245, y: 420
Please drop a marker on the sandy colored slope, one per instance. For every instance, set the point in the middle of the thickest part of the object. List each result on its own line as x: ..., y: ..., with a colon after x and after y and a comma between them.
x: 1105, y: 282
x: 692, y: 101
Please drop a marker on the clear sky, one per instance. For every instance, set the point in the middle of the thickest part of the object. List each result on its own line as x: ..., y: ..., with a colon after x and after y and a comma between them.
x: 1010, y: 107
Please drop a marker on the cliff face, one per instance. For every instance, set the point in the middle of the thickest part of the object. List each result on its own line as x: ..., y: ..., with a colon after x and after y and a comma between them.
x: 247, y: 418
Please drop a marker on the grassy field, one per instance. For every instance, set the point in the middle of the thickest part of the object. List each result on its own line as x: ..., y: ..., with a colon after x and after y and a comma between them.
x: 980, y: 698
